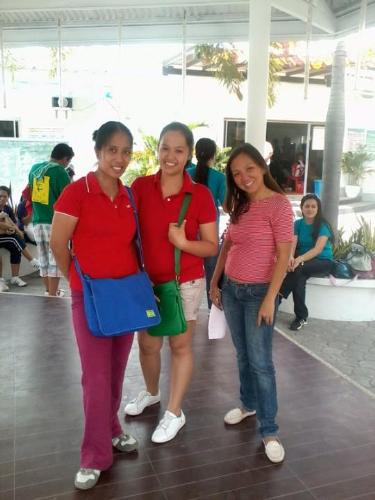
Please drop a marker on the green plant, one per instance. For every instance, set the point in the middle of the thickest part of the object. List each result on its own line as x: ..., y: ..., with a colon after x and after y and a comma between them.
x: 363, y: 235
x: 354, y: 164
x: 221, y: 159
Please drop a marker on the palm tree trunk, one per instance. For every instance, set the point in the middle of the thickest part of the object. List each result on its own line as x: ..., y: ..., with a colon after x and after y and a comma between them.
x: 334, y: 139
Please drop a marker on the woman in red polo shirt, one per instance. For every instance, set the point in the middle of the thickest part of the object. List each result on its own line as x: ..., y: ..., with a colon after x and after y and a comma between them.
x: 254, y: 259
x: 159, y: 199
x: 95, y: 214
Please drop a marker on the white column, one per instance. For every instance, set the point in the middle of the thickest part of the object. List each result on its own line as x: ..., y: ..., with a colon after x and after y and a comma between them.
x: 257, y: 77
x: 2, y: 51
x: 183, y: 66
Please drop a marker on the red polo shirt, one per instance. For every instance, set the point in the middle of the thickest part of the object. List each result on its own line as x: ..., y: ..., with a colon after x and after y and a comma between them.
x: 103, y: 239
x: 155, y: 215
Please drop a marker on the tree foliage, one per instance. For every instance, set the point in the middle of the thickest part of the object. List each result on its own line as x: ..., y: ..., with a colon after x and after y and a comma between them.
x: 54, y: 58
x: 225, y: 64
x: 11, y: 64
x: 224, y: 60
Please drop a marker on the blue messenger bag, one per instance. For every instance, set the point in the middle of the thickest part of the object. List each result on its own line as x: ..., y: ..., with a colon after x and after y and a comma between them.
x: 117, y: 306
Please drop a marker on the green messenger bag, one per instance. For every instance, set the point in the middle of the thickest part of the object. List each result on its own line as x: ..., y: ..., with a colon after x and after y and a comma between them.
x: 169, y: 301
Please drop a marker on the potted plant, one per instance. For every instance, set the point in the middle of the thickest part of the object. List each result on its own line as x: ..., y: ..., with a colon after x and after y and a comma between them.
x: 354, y: 167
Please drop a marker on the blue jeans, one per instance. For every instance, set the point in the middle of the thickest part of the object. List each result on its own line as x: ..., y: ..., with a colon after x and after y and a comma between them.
x: 253, y: 344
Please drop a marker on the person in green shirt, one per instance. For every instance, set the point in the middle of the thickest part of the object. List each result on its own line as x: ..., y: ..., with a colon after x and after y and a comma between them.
x: 47, y: 180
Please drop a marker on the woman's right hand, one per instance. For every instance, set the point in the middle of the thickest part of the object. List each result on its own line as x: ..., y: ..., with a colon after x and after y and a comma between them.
x: 215, y: 296
x: 290, y: 265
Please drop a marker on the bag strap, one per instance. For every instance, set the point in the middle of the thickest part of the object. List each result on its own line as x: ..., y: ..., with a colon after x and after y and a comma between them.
x: 138, y: 233
x: 177, y: 252
x: 78, y: 268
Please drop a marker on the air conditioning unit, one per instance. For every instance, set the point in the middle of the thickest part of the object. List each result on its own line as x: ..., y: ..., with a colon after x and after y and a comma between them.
x: 9, y: 128
x: 67, y: 102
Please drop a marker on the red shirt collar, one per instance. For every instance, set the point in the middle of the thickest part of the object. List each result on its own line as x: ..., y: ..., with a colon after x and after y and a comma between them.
x: 187, y: 185
x: 93, y: 186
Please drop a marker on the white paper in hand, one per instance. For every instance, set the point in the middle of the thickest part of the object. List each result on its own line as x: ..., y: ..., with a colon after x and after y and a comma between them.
x: 217, y: 324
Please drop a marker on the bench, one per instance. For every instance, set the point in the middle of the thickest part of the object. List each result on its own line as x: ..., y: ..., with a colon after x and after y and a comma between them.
x: 25, y: 266
x: 348, y: 301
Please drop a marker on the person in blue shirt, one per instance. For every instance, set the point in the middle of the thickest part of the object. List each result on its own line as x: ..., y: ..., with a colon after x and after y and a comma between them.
x: 311, y: 255
x: 203, y: 173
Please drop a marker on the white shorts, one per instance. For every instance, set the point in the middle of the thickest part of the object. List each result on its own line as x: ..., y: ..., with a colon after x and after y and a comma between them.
x: 191, y: 294
x: 48, y: 266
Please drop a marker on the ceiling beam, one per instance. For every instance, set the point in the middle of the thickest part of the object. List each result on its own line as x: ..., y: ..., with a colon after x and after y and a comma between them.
x: 323, y: 17
x: 14, y: 5
x: 345, y: 24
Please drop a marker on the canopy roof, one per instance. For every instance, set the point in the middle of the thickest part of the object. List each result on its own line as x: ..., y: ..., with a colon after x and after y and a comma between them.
x: 97, y: 21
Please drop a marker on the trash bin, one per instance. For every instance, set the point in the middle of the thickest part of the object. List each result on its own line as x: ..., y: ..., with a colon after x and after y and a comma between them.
x: 318, y: 187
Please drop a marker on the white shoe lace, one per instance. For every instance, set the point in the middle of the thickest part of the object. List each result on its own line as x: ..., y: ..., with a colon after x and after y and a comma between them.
x: 164, y: 422
x: 141, y: 396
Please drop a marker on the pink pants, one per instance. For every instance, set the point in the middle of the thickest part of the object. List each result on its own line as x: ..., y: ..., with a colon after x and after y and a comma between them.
x: 103, y: 364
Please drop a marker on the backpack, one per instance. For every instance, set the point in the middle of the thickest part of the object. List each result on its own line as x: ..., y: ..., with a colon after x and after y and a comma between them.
x: 359, y: 258
x: 342, y: 270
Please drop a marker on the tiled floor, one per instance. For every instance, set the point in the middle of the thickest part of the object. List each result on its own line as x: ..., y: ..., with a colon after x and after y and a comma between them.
x: 327, y: 425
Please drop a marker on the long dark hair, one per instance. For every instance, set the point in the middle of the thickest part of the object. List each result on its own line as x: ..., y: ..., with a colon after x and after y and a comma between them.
x: 319, y: 219
x: 205, y: 150
x: 236, y: 200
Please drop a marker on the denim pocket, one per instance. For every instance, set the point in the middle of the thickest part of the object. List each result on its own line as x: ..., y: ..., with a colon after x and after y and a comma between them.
x: 259, y: 291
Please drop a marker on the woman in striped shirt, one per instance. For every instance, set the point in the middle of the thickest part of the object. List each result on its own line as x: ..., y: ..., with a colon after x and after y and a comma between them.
x: 254, y: 259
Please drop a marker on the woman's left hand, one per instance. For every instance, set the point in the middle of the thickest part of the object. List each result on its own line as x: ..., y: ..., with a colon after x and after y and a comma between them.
x: 176, y: 235
x: 266, y: 311
x: 298, y: 261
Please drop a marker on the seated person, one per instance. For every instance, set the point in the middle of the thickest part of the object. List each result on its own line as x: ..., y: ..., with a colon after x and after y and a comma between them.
x: 312, y: 254
x: 24, y: 216
x: 11, y: 238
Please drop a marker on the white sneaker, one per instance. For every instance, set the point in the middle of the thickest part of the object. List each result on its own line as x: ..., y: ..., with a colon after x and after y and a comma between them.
x: 59, y: 293
x: 142, y: 401
x: 3, y: 286
x: 16, y: 280
x: 86, y: 478
x: 236, y: 415
x: 168, y: 427
x: 274, y: 450
x: 35, y: 264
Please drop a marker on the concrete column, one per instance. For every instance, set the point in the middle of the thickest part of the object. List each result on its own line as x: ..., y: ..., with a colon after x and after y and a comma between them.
x: 257, y: 77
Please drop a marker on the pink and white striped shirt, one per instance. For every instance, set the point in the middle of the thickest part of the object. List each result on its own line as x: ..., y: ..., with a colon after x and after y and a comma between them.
x: 252, y: 255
